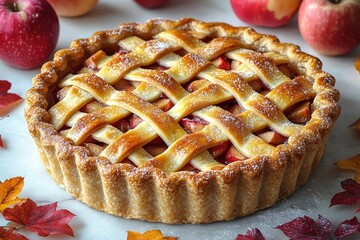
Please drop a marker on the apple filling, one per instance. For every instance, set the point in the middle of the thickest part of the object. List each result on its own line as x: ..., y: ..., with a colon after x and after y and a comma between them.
x: 224, y: 152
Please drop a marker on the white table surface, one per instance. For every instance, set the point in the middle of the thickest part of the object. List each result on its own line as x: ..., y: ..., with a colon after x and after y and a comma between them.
x: 19, y: 157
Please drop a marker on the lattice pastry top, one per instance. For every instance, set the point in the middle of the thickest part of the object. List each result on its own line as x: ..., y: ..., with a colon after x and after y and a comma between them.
x: 181, y: 96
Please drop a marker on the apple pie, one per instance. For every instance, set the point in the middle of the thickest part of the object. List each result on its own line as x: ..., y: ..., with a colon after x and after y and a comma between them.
x: 181, y: 121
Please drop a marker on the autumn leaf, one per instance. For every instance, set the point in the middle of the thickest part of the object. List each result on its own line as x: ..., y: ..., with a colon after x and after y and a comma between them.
x: 8, y: 234
x: 9, y: 191
x: 148, y: 235
x: 356, y: 124
x: 353, y: 164
x: 357, y: 64
x: 351, y: 195
x: 347, y: 228
x: 7, y: 100
x: 251, y: 234
x: 44, y: 220
x: 1, y: 142
x: 307, y: 228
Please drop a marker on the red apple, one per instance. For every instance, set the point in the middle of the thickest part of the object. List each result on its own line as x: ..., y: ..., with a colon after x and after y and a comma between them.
x: 29, y: 32
x: 331, y: 27
x: 266, y: 13
x: 152, y: 3
x: 73, y: 8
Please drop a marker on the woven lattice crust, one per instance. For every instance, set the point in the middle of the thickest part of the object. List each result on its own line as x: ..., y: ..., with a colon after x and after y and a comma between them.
x: 157, y: 190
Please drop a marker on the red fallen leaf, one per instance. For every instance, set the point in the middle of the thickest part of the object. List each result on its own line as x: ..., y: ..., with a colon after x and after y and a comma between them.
x: 307, y: 228
x: 1, y: 142
x: 351, y: 195
x: 7, y: 100
x: 347, y: 228
x: 8, y: 234
x: 44, y: 220
x: 251, y: 234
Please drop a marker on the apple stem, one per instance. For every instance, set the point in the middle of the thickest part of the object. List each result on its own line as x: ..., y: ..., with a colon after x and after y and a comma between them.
x: 335, y: 1
x: 14, y: 7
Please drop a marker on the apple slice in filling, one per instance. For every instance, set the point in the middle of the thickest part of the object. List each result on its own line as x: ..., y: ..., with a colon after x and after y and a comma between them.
x: 272, y: 137
x: 192, y: 125
x: 233, y: 155
x: 219, y: 150
x: 222, y: 62
x: 300, y: 113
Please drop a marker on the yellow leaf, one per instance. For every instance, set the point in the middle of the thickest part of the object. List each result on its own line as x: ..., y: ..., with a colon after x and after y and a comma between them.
x: 148, y: 235
x: 353, y: 164
x: 9, y: 191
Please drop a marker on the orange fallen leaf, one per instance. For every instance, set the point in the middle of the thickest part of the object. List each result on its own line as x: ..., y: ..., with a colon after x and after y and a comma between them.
x: 148, y: 235
x: 353, y: 164
x: 9, y: 191
x: 357, y: 64
x: 356, y: 124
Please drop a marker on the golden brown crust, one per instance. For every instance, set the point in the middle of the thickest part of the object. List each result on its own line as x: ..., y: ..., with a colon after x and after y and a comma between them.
x: 148, y: 193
